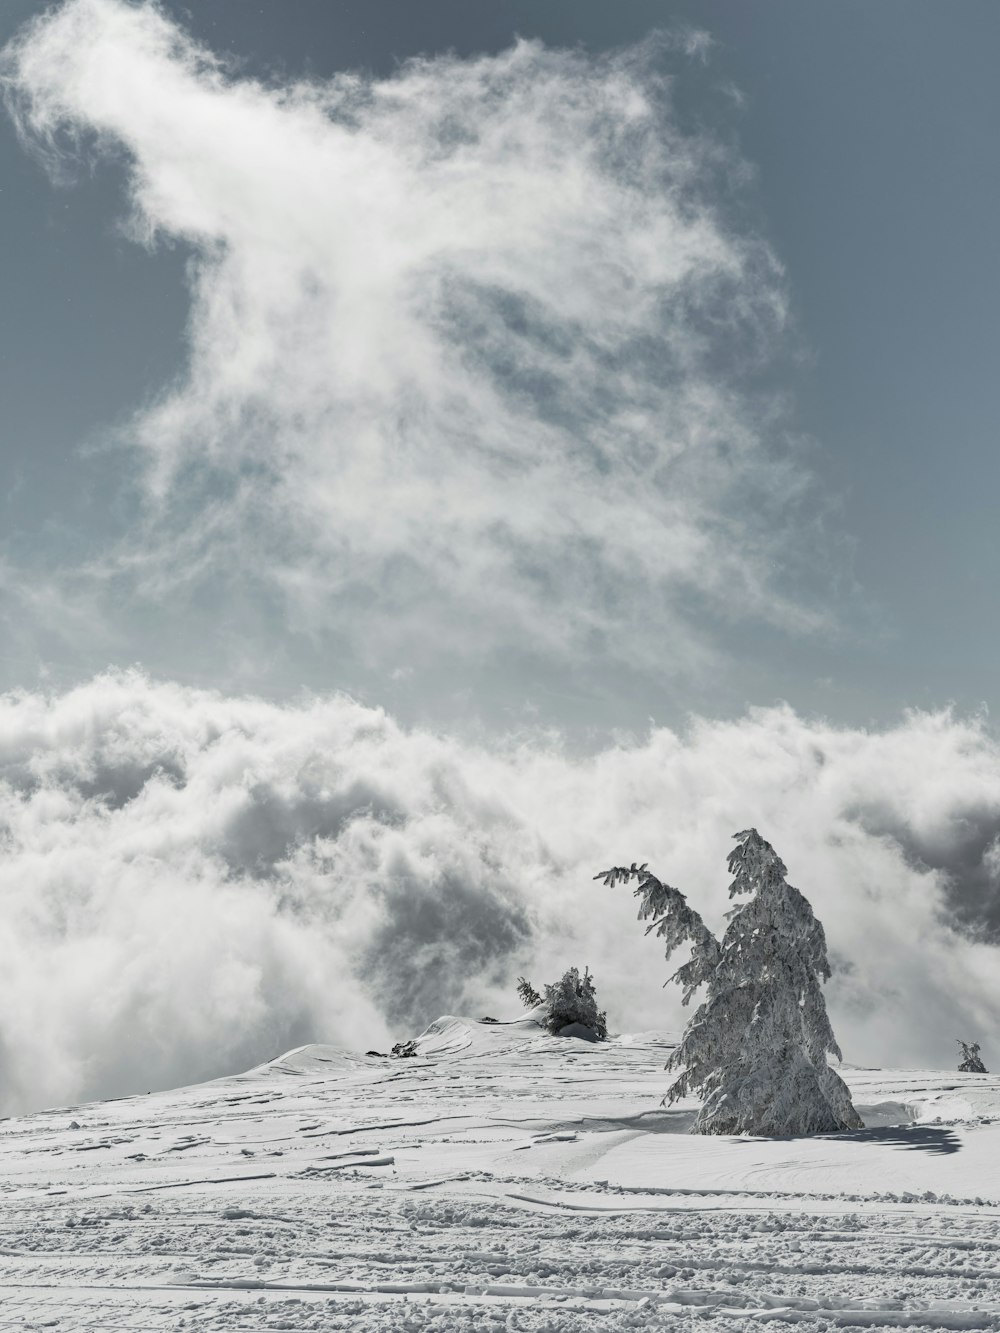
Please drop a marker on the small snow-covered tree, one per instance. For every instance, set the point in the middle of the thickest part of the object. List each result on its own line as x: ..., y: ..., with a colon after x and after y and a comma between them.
x: 573, y: 999
x: 971, y: 1060
x: 756, y: 1049
x: 527, y: 994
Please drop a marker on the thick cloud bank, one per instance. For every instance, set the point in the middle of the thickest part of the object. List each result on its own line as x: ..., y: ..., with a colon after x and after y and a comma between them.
x: 481, y: 324
x: 191, y: 883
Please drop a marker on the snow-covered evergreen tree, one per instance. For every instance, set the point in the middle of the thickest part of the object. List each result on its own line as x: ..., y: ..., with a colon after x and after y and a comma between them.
x: 573, y: 999
x: 756, y: 1049
x: 971, y: 1060
x: 527, y: 994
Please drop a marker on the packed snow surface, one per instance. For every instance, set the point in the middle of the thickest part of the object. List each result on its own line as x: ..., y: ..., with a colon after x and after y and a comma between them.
x: 498, y: 1179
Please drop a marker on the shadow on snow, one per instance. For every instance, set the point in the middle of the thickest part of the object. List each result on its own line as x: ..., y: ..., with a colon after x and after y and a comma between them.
x: 917, y: 1138
x: 920, y: 1138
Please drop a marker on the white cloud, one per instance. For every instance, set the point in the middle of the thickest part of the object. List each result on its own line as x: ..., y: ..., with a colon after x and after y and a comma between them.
x: 465, y: 370
x: 479, y: 326
x: 191, y: 882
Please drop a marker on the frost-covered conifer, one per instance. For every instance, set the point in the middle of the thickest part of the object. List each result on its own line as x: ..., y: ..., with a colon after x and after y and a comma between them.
x: 573, y: 999
x: 527, y: 994
x: 971, y: 1061
x: 756, y: 1048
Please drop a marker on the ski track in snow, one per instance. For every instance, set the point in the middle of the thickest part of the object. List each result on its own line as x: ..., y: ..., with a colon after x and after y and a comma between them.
x: 502, y: 1179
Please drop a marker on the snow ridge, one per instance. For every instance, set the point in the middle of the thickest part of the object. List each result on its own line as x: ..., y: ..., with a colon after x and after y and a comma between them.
x: 500, y: 1178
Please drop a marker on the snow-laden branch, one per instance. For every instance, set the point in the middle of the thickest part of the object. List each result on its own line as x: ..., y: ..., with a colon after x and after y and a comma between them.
x: 672, y: 920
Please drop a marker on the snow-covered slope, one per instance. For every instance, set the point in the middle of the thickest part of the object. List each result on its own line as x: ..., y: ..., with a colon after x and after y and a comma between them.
x: 500, y: 1178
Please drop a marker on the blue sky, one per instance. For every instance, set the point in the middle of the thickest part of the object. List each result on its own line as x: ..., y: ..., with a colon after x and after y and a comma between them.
x: 867, y: 134
x: 449, y: 448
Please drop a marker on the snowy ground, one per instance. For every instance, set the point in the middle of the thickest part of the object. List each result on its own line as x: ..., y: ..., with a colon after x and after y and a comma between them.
x: 503, y: 1179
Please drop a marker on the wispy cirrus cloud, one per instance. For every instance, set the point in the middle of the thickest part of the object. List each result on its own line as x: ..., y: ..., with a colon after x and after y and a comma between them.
x: 485, y: 324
